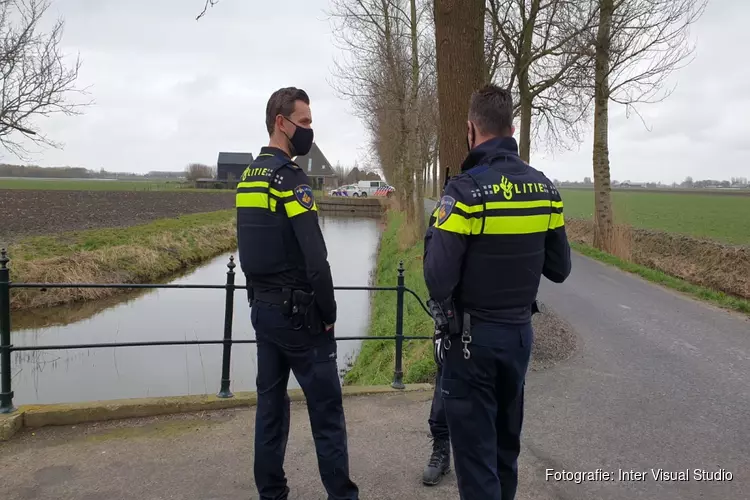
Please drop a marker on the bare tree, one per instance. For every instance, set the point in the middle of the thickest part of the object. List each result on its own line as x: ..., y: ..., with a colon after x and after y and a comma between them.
x: 639, y: 43
x: 196, y: 171
x: 206, y: 5
x: 385, y: 81
x: 539, y: 49
x: 36, y: 81
x: 459, y: 42
x: 340, y: 173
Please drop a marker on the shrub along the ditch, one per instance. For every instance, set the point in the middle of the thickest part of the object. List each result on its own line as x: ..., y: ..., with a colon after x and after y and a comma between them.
x: 136, y: 254
x: 374, y: 365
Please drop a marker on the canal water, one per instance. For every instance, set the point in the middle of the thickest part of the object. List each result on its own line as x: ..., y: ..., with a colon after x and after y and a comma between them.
x: 173, y: 314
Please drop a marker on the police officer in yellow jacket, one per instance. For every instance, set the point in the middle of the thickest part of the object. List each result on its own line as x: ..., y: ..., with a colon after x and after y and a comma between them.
x: 499, y: 227
x: 284, y: 258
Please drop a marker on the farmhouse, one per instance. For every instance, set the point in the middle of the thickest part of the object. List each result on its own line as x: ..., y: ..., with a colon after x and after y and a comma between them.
x: 355, y: 175
x: 229, y: 166
x: 318, y: 168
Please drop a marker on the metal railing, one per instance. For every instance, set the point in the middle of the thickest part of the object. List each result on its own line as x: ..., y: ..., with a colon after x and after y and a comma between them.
x: 6, y: 347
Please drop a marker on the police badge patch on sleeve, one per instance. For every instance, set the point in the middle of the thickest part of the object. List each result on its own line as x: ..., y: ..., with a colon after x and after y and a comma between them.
x: 446, y: 207
x: 304, y: 195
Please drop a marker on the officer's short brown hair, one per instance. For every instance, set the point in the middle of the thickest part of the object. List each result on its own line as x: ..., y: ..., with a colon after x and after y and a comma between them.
x: 491, y: 110
x: 281, y: 103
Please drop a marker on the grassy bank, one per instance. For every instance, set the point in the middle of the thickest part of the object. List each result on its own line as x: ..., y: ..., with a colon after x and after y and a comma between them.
x: 135, y: 254
x: 375, y: 362
x: 715, y: 297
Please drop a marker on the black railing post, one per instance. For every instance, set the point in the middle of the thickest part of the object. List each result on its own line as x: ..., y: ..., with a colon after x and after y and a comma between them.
x: 398, y: 372
x: 224, y: 392
x: 6, y: 394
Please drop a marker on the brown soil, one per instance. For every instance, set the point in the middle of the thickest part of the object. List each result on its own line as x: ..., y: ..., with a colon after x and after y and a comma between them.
x: 703, y: 262
x: 38, y: 212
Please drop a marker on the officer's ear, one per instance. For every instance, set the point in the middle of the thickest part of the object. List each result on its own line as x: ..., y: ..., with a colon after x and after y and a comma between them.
x: 280, y: 124
x: 512, y: 130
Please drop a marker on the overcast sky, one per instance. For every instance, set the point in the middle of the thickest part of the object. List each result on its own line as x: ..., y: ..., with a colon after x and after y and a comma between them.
x: 169, y: 90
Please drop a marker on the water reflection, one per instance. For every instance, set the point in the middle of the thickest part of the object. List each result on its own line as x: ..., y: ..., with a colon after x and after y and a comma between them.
x: 109, y: 373
x: 66, y: 314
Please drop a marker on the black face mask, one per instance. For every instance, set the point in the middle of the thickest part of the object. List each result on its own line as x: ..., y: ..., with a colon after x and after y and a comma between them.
x: 301, y: 140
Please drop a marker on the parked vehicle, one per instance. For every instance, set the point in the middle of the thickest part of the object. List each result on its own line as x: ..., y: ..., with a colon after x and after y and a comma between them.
x: 346, y: 190
x: 373, y: 188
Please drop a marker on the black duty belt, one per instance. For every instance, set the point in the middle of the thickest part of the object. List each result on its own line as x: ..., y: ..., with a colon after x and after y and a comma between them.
x: 278, y: 297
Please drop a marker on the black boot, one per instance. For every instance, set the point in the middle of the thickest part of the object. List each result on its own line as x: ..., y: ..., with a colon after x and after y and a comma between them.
x: 439, y: 464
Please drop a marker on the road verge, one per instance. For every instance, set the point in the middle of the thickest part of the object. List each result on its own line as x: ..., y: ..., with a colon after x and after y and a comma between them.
x: 708, y: 270
x: 661, y: 278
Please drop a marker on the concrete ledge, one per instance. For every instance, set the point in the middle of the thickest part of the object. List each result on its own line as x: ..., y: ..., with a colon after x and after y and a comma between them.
x: 369, y: 206
x: 353, y: 200
x: 10, y: 424
x: 34, y: 416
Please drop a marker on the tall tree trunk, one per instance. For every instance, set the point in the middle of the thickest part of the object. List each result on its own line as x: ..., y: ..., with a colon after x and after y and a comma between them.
x: 435, y: 176
x: 459, y: 41
x: 524, y: 89
x: 602, y: 189
x: 421, y: 223
x: 416, y: 143
x: 524, y: 136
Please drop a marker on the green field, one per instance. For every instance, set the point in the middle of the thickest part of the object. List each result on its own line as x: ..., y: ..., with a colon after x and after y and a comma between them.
x: 719, y: 217
x: 92, y: 185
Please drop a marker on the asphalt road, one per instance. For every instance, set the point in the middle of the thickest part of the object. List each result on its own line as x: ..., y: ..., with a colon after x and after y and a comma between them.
x: 660, y: 381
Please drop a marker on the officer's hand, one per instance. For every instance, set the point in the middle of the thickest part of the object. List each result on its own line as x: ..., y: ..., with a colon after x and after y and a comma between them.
x: 328, y: 327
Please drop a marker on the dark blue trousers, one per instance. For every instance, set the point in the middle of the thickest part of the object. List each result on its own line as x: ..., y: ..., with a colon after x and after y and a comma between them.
x: 483, y: 398
x: 281, y: 348
x: 438, y: 422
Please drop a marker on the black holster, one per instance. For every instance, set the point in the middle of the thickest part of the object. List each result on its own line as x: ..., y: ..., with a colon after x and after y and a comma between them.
x: 447, y: 320
x: 304, y: 311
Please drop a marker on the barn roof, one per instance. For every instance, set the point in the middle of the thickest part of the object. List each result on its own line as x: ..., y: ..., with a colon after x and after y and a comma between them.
x: 315, y: 163
x: 235, y: 158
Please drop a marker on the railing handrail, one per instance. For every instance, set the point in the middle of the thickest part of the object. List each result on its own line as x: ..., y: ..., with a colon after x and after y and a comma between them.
x: 6, y: 348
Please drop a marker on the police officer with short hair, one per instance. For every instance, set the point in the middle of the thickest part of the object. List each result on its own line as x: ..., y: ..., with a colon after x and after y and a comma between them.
x: 438, y: 465
x: 284, y: 258
x: 499, y: 228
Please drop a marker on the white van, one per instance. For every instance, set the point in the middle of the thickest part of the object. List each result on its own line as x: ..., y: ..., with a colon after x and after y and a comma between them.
x: 373, y: 188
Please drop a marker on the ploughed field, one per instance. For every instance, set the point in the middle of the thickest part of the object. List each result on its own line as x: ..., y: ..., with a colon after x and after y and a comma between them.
x: 41, y: 212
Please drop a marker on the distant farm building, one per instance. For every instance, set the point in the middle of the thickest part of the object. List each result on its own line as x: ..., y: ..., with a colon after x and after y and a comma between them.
x: 355, y: 175
x: 229, y: 166
x: 318, y: 169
